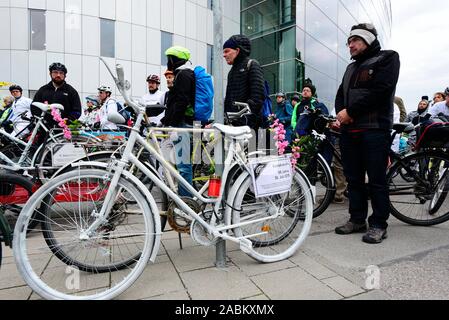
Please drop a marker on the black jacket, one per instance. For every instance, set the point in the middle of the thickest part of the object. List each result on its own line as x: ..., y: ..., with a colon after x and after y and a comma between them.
x: 181, y: 100
x: 368, y: 89
x: 246, y: 84
x: 65, y: 95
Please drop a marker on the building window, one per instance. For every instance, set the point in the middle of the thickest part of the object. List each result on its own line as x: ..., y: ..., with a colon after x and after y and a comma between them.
x: 166, y: 42
x: 37, y: 30
x: 31, y: 94
x: 107, y: 35
x: 210, y: 58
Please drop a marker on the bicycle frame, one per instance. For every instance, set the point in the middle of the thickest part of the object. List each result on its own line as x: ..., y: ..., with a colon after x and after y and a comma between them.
x: 128, y: 158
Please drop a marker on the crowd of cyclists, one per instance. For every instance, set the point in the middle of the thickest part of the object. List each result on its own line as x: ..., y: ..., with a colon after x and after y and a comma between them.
x: 245, y: 84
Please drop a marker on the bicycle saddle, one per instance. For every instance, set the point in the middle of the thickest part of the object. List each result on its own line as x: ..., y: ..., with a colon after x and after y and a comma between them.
x: 47, y: 107
x: 403, y: 127
x: 232, y: 131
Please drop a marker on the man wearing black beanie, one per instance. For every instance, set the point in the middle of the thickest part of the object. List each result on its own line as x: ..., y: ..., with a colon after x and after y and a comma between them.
x: 245, y: 81
x: 364, y: 106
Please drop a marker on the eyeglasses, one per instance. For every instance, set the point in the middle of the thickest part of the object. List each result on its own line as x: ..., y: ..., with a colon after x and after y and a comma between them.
x: 352, y: 40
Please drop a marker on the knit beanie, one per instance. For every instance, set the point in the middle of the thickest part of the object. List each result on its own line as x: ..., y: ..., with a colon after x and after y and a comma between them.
x: 366, y: 31
x: 239, y: 41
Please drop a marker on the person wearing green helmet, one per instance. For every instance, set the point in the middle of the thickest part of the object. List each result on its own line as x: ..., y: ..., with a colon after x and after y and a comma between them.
x: 180, y: 110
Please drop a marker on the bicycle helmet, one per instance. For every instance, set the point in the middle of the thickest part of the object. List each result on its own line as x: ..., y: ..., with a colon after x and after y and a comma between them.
x: 154, y: 77
x: 105, y: 89
x: 15, y: 87
x: 280, y: 94
x: 58, y: 67
x: 178, y: 52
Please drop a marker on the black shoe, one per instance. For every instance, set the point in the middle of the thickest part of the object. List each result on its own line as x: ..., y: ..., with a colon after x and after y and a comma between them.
x: 351, y: 227
x: 375, y: 235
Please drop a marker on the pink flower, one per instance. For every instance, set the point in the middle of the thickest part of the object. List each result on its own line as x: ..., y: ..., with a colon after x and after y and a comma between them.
x: 294, y: 162
x: 67, y: 134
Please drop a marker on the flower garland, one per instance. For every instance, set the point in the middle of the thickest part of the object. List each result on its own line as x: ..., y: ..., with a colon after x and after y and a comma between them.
x: 280, y: 134
x: 61, y: 123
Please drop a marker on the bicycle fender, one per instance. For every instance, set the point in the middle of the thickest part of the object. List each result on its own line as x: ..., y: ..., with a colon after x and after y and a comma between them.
x: 148, y: 196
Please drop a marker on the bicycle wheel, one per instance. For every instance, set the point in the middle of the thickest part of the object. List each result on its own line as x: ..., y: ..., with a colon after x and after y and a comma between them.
x: 15, y: 191
x: 159, y: 196
x: 66, y: 262
x: 45, y: 156
x: 440, y: 194
x: 279, y: 238
x: 321, y: 177
x: 413, y: 200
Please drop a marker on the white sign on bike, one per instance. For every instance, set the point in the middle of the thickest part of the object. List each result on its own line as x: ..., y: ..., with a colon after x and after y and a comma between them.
x: 271, y: 175
x: 66, y: 153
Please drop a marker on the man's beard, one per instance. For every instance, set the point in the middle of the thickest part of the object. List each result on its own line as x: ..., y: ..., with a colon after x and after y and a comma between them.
x: 58, y: 82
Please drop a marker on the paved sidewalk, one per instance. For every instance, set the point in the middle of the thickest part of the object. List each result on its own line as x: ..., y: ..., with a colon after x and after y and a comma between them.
x: 413, y: 264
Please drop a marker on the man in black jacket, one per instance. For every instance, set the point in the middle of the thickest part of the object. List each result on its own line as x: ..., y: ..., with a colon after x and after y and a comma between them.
x: 181, y: 111
x: 364, y: 107
x: 245, y: 81
x: 58, y: 91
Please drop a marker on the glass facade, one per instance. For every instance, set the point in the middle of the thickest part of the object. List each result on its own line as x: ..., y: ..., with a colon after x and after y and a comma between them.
x: 295, y: 40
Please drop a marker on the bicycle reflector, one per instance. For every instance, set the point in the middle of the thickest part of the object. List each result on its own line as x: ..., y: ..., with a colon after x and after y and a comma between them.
x: 214, y: 187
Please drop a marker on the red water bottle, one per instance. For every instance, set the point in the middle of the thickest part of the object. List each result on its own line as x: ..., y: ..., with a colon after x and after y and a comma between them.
x: 214, y: 187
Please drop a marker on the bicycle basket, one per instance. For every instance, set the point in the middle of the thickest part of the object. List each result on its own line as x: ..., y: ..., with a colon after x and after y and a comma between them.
x: 433, y: 135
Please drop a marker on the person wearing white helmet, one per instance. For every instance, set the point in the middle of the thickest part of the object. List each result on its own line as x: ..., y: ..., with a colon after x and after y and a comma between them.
x: 109, y: 115
x: 20, y: 106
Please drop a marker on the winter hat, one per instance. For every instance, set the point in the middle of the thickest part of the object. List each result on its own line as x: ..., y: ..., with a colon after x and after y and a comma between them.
x: 239, y: 41
x: 365, y: 31
x: 311, y: 87
x: 296, y: 98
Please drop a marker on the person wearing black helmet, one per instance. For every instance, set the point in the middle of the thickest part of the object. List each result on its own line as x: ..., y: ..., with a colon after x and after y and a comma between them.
x: 245, y: 81
x: 154, y: 96
x: 59, y: 91
x: 12, y: 120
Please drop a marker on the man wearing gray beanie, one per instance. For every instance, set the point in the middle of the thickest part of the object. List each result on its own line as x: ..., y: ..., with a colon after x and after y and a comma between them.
x: 364, y: 107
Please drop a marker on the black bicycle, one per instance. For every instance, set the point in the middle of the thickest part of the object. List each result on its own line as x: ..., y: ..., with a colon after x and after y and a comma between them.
x: 419, y: 182
x: 15, y: 190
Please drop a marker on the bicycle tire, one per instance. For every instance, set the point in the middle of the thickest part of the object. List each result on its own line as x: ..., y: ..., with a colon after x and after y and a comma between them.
x: 409, y: 200
x: 15, y: 191
x: 293, y: 229
x: 45, y: 279
x: 441, y: 194
x: 321, y: 174
x: 102, y: 156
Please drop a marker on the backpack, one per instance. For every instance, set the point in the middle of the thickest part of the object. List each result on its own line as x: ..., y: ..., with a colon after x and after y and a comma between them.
x: 123, y: 112
x: 267, y: 108
x: 204, y: 94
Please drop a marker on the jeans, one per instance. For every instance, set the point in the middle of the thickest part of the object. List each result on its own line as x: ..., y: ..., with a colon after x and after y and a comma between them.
x: 367, y: 153
x: 183, y: 162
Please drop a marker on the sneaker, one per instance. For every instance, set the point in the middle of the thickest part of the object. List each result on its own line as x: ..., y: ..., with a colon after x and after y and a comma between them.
x: 351, y: 227
x: 375, y: 235
x: 339, y: 200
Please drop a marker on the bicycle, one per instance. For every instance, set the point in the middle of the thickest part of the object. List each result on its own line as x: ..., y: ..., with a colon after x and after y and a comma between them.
x: 117, y: 237
x: 25, y: 156
x: 15, y: 191
x: 419, y: 183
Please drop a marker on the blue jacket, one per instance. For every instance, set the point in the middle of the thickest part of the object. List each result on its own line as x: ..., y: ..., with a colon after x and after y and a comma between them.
x: 284, y: 113
x: 303, y: 115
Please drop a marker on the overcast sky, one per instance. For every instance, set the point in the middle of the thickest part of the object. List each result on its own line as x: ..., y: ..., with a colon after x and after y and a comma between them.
x: 421, y: 36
